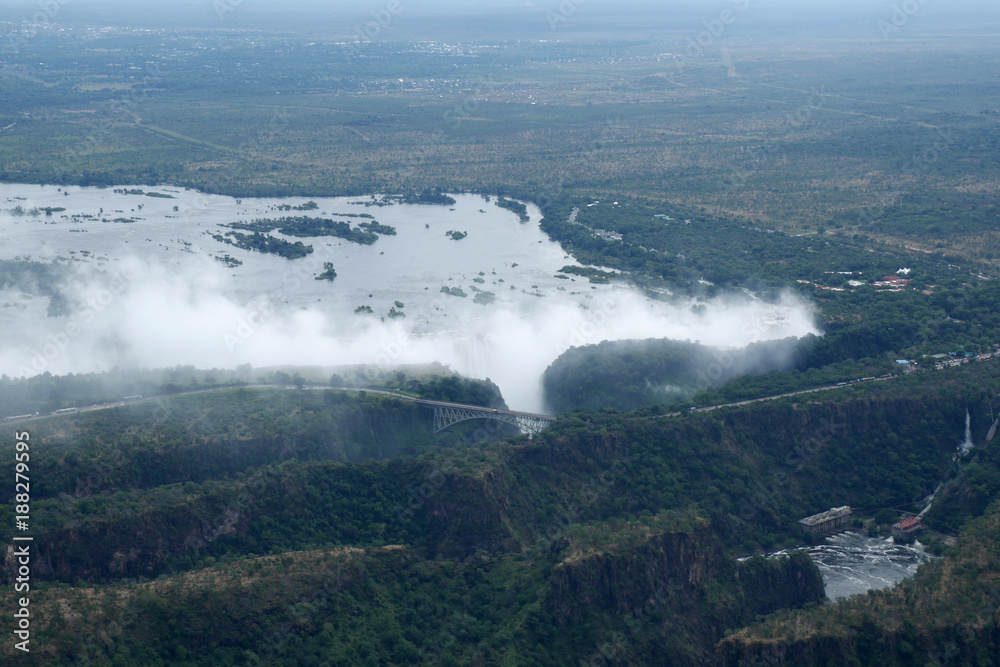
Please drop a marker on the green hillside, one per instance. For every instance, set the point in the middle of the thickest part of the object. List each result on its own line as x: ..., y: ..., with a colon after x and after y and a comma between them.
x: 610, y: 533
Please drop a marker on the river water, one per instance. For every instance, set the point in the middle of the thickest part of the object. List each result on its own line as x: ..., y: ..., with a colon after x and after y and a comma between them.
x: 177, y: 304
x: 853, y: 563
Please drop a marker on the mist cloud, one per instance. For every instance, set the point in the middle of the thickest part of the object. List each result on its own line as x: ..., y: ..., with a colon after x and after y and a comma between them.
x: 151, y: 316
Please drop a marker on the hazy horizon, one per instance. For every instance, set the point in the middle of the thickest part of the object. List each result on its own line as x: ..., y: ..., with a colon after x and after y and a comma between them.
x: 541, y: 14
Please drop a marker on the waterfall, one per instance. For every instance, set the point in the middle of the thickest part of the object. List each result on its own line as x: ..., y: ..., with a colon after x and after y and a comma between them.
x: 966, y: 446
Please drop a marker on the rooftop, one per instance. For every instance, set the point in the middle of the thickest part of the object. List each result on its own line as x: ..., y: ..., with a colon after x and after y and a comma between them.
x: 835, y: 513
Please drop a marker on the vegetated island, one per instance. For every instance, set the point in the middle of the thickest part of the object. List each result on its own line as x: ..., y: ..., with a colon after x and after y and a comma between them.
x: 454, y: 291
x: 594, y: 275
x: 231, y: 262
x: 455, y: 235
x: 378, y: 228
x: 308, y: 206
x: 263, y: 243
x: 484, y: 298
x: 428, y: 197
x: 137, y: 191
x: 366, y: 233
x: 355, y: 215
x: 329, y: 273
x: 517, y: 207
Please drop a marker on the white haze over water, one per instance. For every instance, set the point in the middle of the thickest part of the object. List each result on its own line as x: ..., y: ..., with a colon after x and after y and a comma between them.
x: 853, y: 564
x: 166, y: 308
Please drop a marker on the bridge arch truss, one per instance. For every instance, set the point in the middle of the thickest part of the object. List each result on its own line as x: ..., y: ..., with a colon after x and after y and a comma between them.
x: 527, y: 423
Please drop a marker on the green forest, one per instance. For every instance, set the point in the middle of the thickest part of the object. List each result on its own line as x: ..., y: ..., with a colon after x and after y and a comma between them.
x: 266, y: 244
x: 304, y: 516
x: 626, y: 375
x: 198, y: 506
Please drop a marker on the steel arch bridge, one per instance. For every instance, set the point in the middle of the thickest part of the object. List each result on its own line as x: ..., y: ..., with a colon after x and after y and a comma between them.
x: 445, y: 416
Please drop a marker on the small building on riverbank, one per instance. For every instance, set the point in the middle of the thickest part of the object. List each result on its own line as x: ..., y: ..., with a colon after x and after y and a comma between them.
x: 906, y: 529
x: 828, y: 522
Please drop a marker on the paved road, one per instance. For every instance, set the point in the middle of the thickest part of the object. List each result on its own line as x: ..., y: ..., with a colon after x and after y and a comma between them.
x: 443, y: 404
x: 791, y: 393
x: 841, y: 385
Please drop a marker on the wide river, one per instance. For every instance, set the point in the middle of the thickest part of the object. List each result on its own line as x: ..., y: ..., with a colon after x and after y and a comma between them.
x: 176, y: 303
x: 852, y: 563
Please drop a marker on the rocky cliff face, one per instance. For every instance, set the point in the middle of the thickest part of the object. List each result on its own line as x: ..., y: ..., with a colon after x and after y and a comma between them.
x: 467, y: 515
x: 682, y: 583
x: 768, y: 585
x: 948, y: 614
x: 670, y: 566
x: 868, y: 644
